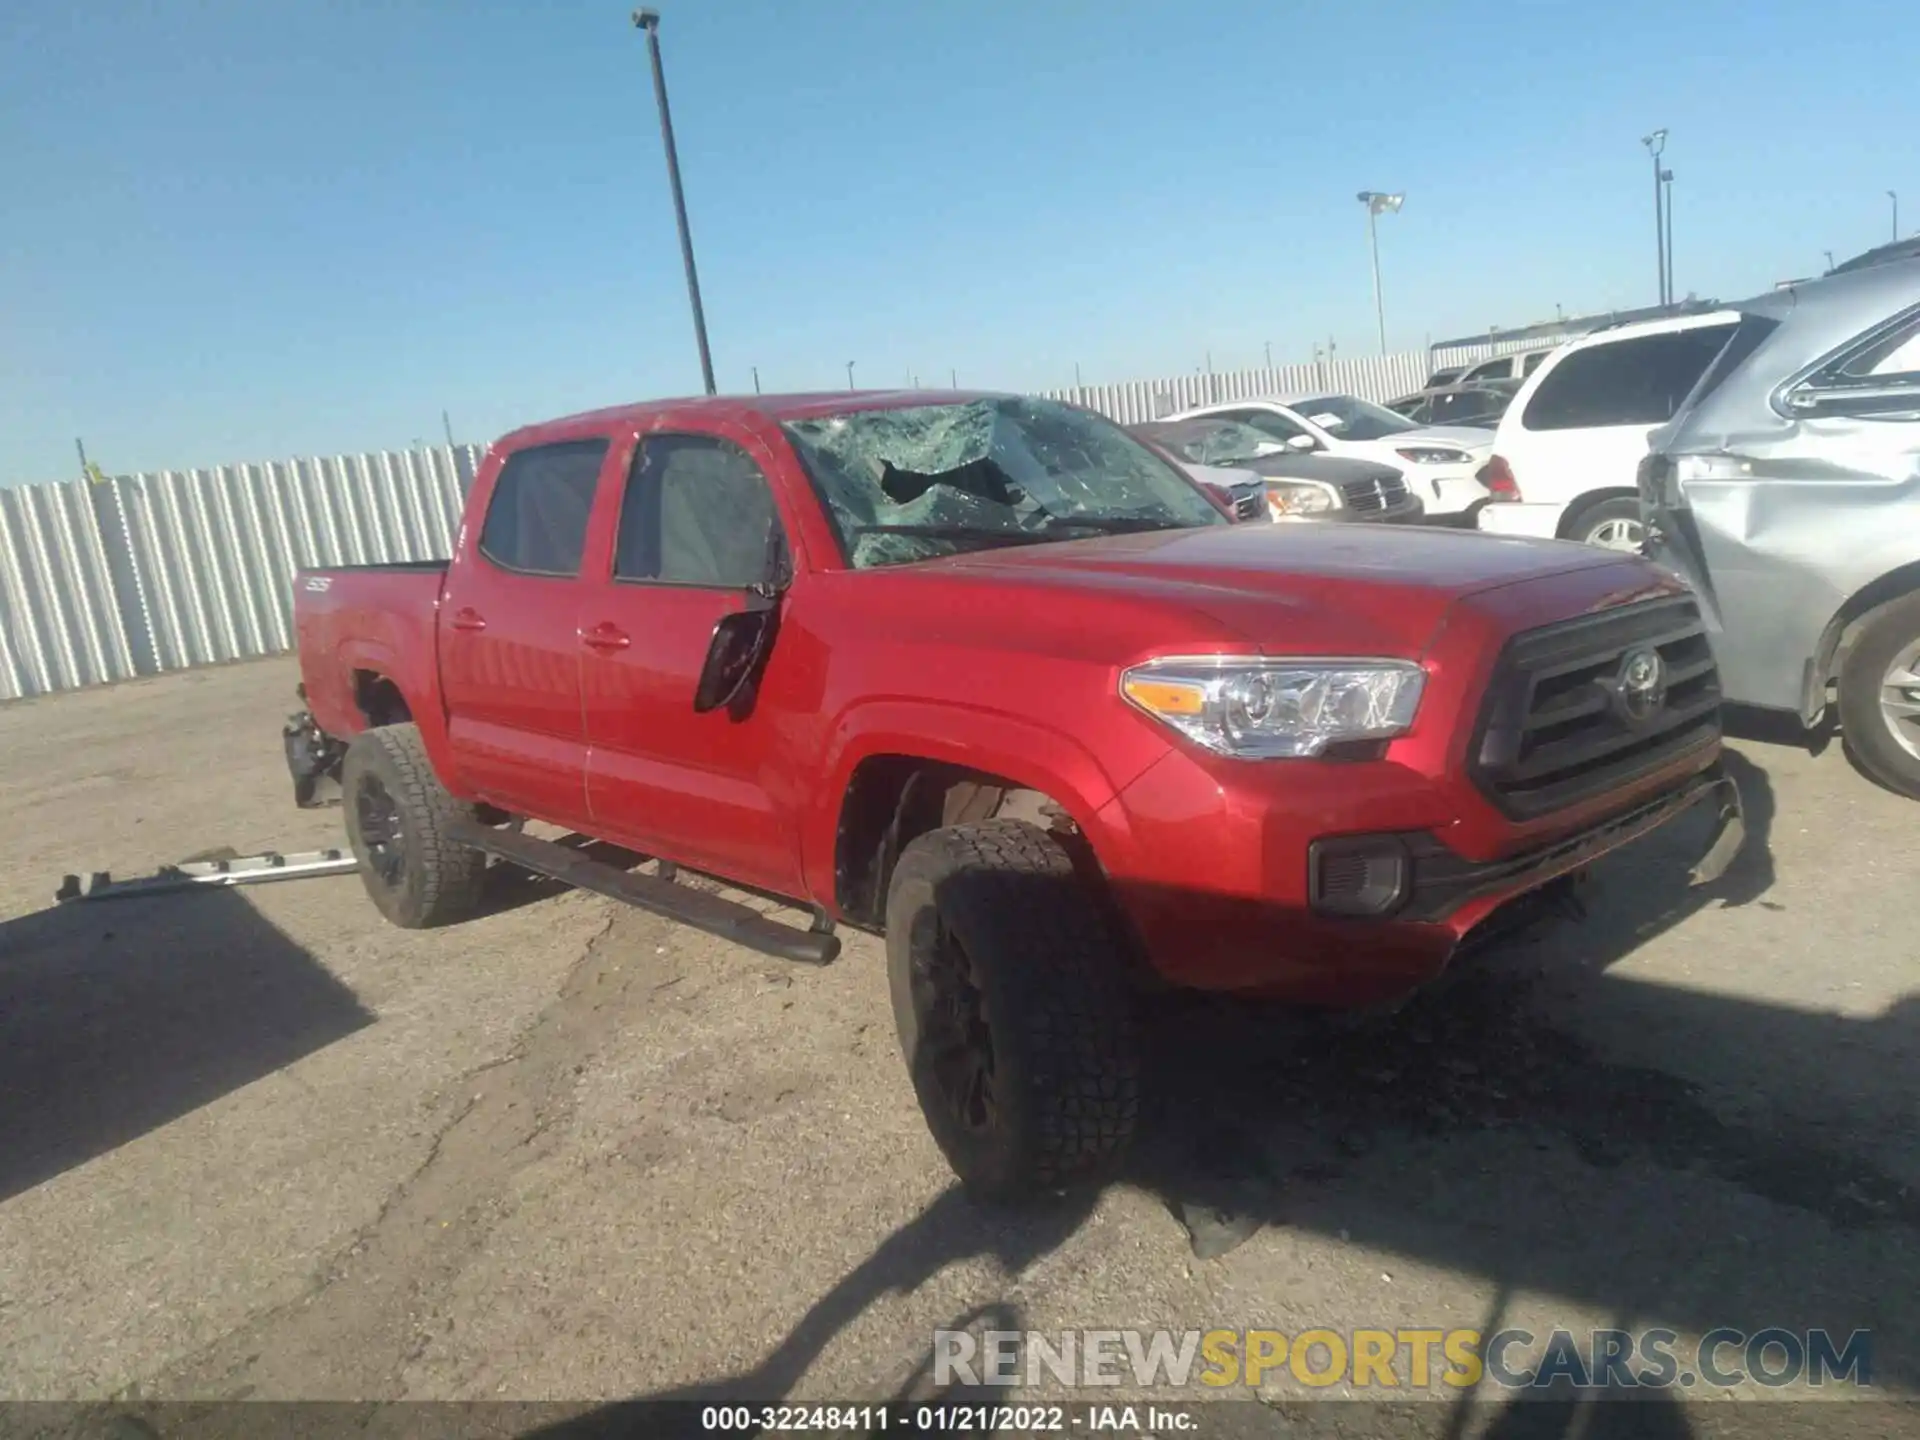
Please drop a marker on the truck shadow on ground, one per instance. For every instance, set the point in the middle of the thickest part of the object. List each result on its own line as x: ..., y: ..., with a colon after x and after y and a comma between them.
x: 117, y: 1016
x: 1476, y: 1131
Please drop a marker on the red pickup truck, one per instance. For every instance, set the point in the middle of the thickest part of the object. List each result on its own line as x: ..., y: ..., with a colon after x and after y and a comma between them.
x: 985, y: 675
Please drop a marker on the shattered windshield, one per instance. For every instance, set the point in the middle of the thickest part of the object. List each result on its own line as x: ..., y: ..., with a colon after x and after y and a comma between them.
x: 1348, y: 417
x: 915, y: 483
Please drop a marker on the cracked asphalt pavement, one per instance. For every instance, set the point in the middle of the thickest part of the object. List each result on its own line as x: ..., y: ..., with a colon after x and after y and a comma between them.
x: 255, y: 1143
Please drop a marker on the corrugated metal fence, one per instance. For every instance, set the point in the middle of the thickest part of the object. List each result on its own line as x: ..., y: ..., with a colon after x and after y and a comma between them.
x: 109, y: 580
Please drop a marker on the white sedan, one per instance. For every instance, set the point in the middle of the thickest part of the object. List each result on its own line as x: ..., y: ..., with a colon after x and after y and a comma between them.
x: 1441, y: 462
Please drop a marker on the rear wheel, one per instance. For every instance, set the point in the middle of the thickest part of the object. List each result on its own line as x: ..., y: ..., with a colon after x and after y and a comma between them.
x: 1610, y: 524
x: 1017, y: 1027
x: 398, y: 818
x: 1880, y: 695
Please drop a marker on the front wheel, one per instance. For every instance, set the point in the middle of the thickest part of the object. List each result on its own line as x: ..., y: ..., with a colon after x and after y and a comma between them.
x: 1611, y: 524
x: 1880, y: 695
x: 1016, y: 1024
x: 398, y: 815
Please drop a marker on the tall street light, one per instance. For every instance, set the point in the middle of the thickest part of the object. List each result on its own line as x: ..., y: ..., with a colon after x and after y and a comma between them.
x: 1655, y: 143
x: 1666, y: 180
x: 649, y: 21
x: 1896, y: 213
x: 1377, y: 203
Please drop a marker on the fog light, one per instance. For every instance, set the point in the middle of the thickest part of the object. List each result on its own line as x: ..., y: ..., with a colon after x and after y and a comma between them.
x: 1362, y: 875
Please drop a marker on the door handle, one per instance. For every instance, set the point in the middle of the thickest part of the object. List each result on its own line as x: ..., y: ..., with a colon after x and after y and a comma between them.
x: 605, y: 636
x: 467, y: 618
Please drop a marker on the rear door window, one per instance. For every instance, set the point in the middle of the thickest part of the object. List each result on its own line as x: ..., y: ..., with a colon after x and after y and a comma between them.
x: 537, y: 516
x: 1624, y: 382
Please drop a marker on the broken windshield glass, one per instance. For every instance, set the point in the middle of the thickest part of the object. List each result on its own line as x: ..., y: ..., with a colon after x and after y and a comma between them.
x: 917, y: 482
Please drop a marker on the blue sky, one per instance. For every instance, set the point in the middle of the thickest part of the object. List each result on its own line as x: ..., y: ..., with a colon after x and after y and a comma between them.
x: 246, y: 229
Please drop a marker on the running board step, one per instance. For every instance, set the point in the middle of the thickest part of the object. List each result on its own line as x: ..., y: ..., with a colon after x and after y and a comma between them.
x: 193, y: 874
x: 700, y: 909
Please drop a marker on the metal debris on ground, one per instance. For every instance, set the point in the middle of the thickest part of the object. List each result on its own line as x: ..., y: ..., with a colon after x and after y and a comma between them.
x: 191, y: 874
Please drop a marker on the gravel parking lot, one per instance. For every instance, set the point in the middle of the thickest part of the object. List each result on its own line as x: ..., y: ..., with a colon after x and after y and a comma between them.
x: 255, y: 1143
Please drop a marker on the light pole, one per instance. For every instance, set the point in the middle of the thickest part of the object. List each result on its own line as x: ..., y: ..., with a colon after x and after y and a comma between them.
x: 849, y: 375
x: 1655, y: 143
x: 649, y: 21
x: 1666, y: 179
x: 1896, y: 213
x: 1829, y: 255
x: 1376, y: 202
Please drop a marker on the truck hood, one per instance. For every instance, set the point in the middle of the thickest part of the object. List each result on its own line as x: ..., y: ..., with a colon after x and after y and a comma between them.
x: 1301, y: 589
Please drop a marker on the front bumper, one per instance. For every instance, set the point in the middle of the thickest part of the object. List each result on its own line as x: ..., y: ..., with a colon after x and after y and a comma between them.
x: 1519, y: 517
x: 1447, y: 489
x: 1416, y: 877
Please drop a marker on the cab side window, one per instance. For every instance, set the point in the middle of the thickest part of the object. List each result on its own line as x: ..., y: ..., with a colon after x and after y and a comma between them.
x: 537, y: 516
x: 698, y: 511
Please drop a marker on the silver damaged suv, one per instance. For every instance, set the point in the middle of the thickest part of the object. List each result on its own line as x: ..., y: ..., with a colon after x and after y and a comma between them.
x: 1786, y: 491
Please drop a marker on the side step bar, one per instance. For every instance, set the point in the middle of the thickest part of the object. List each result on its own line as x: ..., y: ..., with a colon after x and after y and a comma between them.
x: 191, y: 874
x: 700, y: 909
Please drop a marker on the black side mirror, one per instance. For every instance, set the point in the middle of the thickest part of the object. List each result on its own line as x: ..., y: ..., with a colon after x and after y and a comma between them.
x: 740, y: 642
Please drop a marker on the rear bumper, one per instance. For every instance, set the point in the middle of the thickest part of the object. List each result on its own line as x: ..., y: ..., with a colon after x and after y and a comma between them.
x: 1519, y: 517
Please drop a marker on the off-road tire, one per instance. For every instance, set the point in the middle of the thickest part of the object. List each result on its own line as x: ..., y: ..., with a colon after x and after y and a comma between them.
x: 435, y: 881
x: 1064, y: 1034
x: 1882, y: 635
x: 1588, y: 518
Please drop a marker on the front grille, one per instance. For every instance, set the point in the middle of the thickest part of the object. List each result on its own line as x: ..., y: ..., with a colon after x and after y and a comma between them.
x: 1367, y: 495
x: 1554, y: 732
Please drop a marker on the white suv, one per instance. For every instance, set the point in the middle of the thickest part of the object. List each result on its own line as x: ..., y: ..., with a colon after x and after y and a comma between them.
x: 1440, y: 462
x: 1567, y: 449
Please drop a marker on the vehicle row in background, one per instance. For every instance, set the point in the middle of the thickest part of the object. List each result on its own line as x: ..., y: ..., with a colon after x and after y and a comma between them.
x: 1501, y: 367
x: 1478, y: 402
x: 1264, y: 478
x: 1440, y: 462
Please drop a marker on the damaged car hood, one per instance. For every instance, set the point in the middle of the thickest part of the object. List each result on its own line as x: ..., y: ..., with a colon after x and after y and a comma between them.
x: 1347, y: 587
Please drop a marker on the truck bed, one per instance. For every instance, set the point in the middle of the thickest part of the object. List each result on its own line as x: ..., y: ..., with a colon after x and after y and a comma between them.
x: 348, y: 618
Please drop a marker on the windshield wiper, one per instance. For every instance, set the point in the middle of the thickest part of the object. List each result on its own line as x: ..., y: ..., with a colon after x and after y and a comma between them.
x: 1116, y: 525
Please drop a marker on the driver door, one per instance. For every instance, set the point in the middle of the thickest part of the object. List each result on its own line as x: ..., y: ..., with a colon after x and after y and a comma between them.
x: 692, y: 535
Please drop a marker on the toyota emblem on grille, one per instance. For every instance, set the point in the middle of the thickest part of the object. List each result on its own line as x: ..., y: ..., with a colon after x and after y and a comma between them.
x: 1640, y: 689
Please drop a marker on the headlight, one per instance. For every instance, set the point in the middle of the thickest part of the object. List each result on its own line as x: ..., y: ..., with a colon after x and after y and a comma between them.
x: 1256, y: 708
x: 1433, y: 455
x: 1299, y: 497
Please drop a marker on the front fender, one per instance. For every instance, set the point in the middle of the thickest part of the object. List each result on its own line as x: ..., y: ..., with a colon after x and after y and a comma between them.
x: 1032, y: 756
